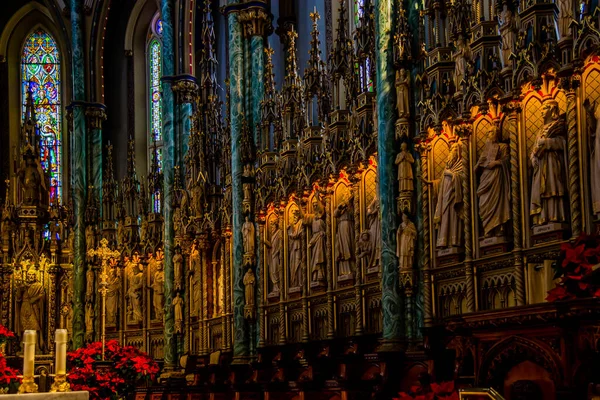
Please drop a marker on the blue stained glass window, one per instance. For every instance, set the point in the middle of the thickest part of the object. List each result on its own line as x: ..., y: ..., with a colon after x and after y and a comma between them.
x: 155, y: 66
x: 40, y: 75
x: 158, y: 28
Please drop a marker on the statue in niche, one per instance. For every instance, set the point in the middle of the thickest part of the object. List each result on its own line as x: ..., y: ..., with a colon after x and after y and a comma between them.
x: 449, y: 207
x: 220, y: 294
x: 507, y: 30
x: 134, y: 293
x: 295, y: 232
x: 494, y: 185
x: 112, y: 295
x: 89, y: 284
x: 344, y: 238
x: 565, y: 17
x: 402, y: 95
x: 593, y: 111
x: 249, y: 283
x: 406, y: 238
x: 158, y: 288
x: 248, y: 174
x: 31, y: 178
x: 374, y: 232
x: 198, y: 195
x: 316, y: 244
x: 195, y: 281
x: 365, y: 249
x: 120, y: 233
x: 144, y: 230
x: 275, y: 247
x: 89, y: 317
x: 90, y: 239
x: 548, y: 159
x: 249, y: 237
x: 31, y: 300
x: 178, y: 313
x: 461, y: 57
x: 404, y: 161
x: 178, y: 268
x: 177, y: 222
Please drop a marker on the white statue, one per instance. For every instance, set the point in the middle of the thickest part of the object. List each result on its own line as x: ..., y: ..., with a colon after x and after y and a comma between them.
x: 275, y: 249
x: 565, y: 17
x: 548, y: 159
x: 344, y: 238
x: 406, y: 237
x: 402, y: 93
x: 134, y: 293
x: 316, y: 244
x: 158, y: 289
x: 249, y: 283
x: 507, y: 31
x: 404, y: 161
x: 249, y: 237
x: 112, y: 295
x: 178, y: 313
x: 494, y: 185
x: 178, y: 268
x: 448, y: 211
x: 460, y: 56
x: 374, y: 231
x: 295, y: 232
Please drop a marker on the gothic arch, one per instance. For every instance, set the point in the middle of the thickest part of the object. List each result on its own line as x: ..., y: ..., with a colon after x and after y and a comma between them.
x: 30, y: 17
x: 512, y: 351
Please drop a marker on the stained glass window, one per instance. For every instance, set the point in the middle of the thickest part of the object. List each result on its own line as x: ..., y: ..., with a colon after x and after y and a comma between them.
x: 159, y: 27
x: 40, y: 76
x: 358, y: 11
x: 155, y: 64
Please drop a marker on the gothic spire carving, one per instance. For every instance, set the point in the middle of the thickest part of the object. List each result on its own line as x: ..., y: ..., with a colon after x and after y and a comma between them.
x: 316, y: 91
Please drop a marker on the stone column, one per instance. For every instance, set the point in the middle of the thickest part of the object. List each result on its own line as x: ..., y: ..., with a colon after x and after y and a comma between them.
x: 78, y: 171
x: 570, y: 86
x: 96, y: 114
x: 170, y: 346
x: 513, y: 110
x: 386, y: 118
x: 464, y: 130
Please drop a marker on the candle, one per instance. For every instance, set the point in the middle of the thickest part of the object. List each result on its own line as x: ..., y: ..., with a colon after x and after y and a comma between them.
x: 61, y: 337
x: 29, y: 339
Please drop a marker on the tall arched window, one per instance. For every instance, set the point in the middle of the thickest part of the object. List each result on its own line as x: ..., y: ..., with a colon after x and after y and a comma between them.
x: 40, y: 75
x: 155, y: 138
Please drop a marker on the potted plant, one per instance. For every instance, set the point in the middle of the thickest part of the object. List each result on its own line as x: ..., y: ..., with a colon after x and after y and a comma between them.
x: 129, y: 367
x: 9, y: 377
x: 5, y: 336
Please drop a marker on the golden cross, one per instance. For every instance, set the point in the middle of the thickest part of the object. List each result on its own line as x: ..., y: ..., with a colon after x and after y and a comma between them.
x: 315, y: 16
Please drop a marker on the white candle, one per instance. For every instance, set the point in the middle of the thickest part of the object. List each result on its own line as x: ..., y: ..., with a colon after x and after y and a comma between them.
x: 62, y: 337
x: 29, y: 339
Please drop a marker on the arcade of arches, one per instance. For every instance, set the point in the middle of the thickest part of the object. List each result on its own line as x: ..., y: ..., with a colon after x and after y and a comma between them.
x: 326, y: 198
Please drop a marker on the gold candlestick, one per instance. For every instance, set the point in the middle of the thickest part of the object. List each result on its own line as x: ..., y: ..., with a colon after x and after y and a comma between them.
x: 29, y: 340
x: 105, y: 254
x: 60, y: 378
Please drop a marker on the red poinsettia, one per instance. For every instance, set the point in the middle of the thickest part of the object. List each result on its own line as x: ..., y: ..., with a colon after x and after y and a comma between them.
x: 435, y: 391
x: 574, y: 268
x: 9, y: 377
x: 5, y: 334
x: 130, y: 366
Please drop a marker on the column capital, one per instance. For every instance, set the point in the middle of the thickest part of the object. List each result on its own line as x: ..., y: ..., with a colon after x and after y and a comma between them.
x: 185, y: 88
x: 255, y: 21
x: 96, y: 114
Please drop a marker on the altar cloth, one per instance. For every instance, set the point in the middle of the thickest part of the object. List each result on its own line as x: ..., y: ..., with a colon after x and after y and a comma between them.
x: 49, y: 396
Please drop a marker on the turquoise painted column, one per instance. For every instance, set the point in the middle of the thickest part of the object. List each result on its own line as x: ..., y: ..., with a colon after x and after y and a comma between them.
x: 386, y: 119
x: 170, y: 348
x: 78, y: 171
x: 236, y: 115
x: 96, y: 114
x: 184, y: 89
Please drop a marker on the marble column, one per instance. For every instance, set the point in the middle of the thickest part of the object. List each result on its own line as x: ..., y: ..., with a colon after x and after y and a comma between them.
x: 78, y: 171
x: 170, y: 346
x: 96, y: 114
x: 386, y: 119
x: 257, y: 51
x: 236, y: 116
x: 570, y: 86
x: 184, y: 88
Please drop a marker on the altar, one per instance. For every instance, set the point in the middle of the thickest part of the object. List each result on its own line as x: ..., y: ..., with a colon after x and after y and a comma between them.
x: 47, y: 396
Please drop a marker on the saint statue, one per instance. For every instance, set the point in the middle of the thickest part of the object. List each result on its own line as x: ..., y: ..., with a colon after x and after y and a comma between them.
x: 249, y: 282
x: 249, y: 237
x: 134, y: 292
x: 112, y: 295
x: 158, y: 290
x: 507, y: 31
x: 195, y: 281
x: 32, y: 181
x: 295, y: 232
x: 365, y: 249
x: 275, y: 247
x: 247, y: 186
x: 178, y: 267
x: 178, y: 313
x: 595, y: 161
x: 549, y: 161
x: 460, y: 57
x: 406, y: 237
x: 448, y: 211
x: 344, y: 238
x: 144, y: 230
x: 402, y: 88
x: 89, y: 317
x: 404, y: 161
x: 31, y: 300
x: 374, y: 231
x: 90, y: 239
x: 89, y: 283
x: 316, y: 244
x: 494, y: 185
x: 565, y: 17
